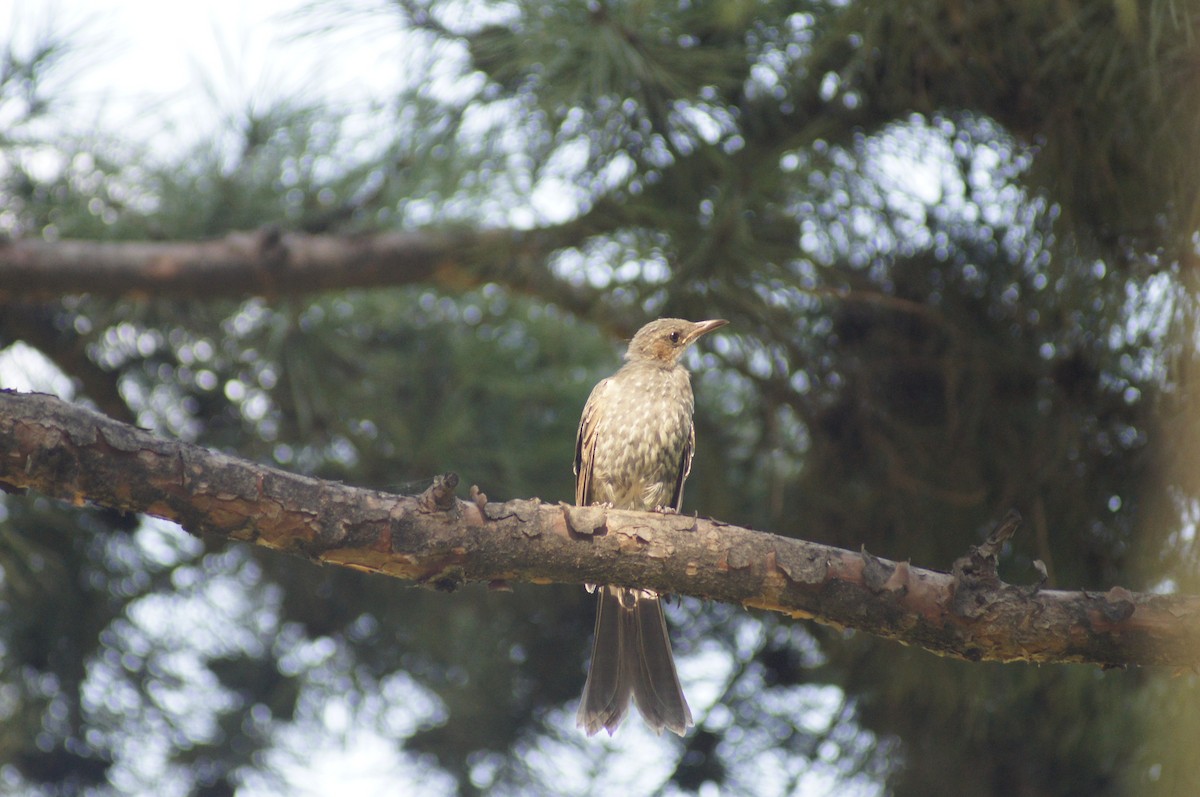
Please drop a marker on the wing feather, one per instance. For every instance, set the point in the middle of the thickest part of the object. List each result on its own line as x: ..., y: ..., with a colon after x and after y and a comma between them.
x: 585, y: 444
x: 685, y: 467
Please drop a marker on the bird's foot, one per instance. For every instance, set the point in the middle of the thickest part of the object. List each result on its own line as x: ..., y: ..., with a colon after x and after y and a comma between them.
x: 666, y: 510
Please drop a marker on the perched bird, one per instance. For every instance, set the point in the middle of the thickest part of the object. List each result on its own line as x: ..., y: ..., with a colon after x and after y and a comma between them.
x: 634, y: 451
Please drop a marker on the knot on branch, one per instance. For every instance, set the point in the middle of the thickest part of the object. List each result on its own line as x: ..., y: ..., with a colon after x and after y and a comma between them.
x: 878, y: 573
x: 1118, y: 605
x: 975, y: 576
x: 586, y: 521
x: 479, y: 498
x: 271, y: 248
x: 439, y: 497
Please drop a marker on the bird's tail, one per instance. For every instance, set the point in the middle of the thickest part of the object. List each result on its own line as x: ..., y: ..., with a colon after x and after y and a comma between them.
x: 631, y: 658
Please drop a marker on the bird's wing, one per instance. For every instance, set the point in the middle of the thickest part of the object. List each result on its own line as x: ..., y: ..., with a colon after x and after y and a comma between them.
x: 585, y: 444
x: 685, y: 467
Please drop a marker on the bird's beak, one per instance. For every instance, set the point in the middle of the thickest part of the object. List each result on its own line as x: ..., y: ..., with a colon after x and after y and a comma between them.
x: 704, y: 327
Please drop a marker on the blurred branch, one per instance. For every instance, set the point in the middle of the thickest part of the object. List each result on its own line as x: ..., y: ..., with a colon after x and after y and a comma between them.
x: 270, y: 262
x: 81, y: 456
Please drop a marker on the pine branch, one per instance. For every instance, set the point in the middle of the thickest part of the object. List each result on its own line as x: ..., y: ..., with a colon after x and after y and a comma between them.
x: 437, y: 540
x: 270, y: 262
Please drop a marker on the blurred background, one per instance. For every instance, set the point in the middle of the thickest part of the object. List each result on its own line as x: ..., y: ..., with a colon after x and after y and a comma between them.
x: 958, y: 247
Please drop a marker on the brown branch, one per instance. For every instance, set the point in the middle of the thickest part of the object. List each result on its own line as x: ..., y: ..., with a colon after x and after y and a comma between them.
x: 79, y: 456
x: 269, y: 262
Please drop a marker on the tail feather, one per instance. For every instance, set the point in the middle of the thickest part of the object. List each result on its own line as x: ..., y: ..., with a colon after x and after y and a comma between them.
x: 656, y: 689
x: 632, y: 659
x: 608, y: 689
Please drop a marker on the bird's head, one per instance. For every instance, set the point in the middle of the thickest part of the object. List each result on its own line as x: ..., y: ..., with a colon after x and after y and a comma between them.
x: 665, y: 340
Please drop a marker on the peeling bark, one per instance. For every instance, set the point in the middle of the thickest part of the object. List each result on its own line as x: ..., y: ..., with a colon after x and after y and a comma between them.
x: 437, y: 540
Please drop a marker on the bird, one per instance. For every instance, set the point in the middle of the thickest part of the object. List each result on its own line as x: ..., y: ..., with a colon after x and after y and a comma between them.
x: 634, y: 451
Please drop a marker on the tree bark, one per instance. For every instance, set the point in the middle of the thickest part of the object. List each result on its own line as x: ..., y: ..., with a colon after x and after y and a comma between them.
x: 271, y: 262
x: 437, y: 540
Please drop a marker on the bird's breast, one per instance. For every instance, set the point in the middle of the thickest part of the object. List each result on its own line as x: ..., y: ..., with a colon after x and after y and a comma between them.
x: 641, y: 435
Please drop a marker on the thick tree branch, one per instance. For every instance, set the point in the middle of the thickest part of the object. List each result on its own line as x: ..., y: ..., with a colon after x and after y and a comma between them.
x: 435, y: 539
x: 272, y: 263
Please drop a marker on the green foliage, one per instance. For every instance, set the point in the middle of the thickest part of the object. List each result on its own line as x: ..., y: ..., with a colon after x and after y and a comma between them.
x: 1101, y: 88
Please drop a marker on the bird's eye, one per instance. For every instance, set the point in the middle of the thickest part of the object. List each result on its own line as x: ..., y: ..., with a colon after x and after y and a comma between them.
x: 674, y: 337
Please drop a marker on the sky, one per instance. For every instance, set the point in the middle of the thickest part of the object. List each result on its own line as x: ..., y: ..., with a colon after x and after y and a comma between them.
x: 160, y: 71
